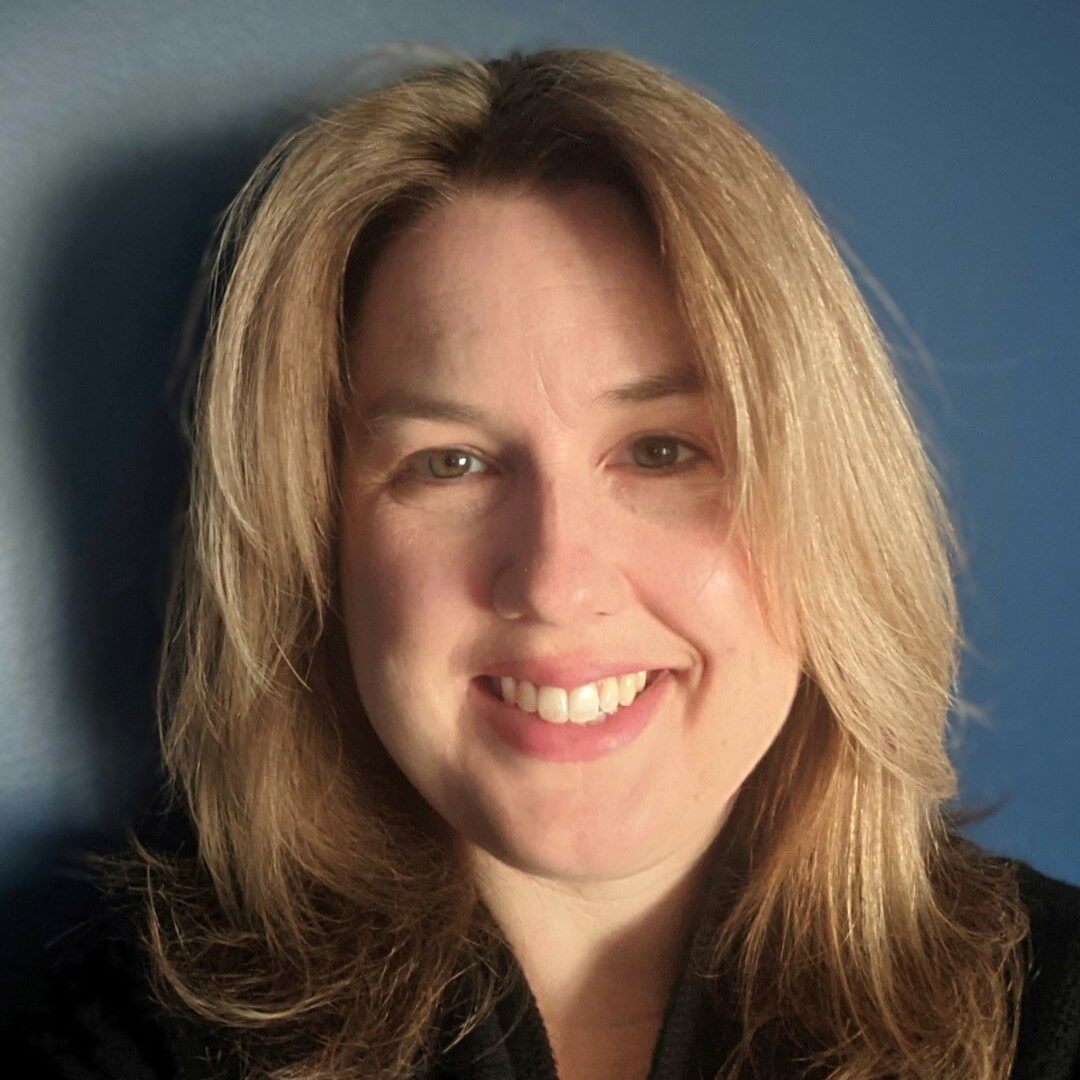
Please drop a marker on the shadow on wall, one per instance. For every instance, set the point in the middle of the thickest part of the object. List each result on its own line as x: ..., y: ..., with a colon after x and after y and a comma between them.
x: 102, y: 382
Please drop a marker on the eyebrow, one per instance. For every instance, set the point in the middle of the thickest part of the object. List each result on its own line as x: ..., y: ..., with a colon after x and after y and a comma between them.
x: 402, y: 403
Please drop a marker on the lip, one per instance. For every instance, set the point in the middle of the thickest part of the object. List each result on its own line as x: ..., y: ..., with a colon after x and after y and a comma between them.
x: 527, y: 734
x: 569, y: 669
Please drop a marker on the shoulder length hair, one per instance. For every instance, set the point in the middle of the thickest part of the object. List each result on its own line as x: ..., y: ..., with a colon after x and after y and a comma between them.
x: 324, y: 918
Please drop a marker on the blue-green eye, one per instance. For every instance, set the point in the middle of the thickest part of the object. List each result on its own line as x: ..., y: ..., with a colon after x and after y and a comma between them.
x: 447, y: 464
x: 659, y: 454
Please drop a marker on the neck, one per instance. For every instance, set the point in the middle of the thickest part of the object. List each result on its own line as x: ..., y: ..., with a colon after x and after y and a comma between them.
x: 600, y: 957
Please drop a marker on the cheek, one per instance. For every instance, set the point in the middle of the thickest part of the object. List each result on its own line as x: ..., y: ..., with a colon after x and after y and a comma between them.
x: 746, y: 674
x: 701, y: 584
x: 397, y: 581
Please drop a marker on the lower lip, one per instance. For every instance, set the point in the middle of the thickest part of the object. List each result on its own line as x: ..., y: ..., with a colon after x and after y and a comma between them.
x: 528, y: 734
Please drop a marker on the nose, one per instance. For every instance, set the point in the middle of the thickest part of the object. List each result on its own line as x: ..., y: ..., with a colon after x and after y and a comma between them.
x: 556, y: 560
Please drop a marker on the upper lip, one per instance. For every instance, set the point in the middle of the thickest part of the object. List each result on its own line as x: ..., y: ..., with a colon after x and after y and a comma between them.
x: 568, y: 670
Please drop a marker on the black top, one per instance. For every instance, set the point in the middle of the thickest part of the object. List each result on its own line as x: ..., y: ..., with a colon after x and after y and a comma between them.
x: 96, y: 1018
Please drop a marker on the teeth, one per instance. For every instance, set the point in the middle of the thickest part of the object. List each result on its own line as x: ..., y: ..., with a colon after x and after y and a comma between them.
x: 586, y: 704
x: 525, y: 698
x: 552, y: 704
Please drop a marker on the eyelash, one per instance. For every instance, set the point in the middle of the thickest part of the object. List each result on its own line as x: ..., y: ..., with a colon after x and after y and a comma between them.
x: 408, y: 474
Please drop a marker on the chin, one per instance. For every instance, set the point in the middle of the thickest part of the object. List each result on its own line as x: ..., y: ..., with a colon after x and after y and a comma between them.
x: 584, y: 854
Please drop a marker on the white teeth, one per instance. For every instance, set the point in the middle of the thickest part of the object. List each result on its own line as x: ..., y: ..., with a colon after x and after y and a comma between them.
x: 627, y: 689
x: 591, y: 703
x: 609, y: 694
x: 552, y: 704
x: 526, y: 697
x: 584, y: 703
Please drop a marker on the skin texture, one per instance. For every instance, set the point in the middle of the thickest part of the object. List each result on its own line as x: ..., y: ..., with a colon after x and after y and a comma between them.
x: 559, y: 536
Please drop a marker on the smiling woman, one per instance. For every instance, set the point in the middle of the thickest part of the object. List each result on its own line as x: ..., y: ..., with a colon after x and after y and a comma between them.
x: 563, y: 561
x: 563, y: 564
x: 562, y: 653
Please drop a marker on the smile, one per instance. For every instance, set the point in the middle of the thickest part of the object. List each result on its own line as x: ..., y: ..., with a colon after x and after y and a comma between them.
x: 591, y: 703
x: 530, y: 734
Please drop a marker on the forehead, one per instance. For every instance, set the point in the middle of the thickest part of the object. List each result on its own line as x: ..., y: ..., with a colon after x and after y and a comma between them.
x: 502, y: 279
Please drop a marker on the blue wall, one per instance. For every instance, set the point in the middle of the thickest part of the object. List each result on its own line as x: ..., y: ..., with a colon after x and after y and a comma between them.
x: 940, y: 142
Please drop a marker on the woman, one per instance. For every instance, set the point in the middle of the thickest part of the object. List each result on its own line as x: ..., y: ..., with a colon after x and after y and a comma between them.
x: 563, y: 645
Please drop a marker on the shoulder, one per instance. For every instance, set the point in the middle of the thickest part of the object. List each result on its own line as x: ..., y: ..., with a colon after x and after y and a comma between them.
x: 91, y: 1014
x: 1050, y: 1013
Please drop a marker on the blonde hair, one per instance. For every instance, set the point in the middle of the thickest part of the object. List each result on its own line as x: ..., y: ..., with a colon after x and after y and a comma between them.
x: 324, y: 919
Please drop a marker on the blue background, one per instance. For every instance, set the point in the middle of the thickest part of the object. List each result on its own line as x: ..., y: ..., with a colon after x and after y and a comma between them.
x: 940, y: 141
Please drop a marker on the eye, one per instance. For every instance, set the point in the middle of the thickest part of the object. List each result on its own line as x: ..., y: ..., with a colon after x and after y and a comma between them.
x: 445, y: 463
x: 660, y: 454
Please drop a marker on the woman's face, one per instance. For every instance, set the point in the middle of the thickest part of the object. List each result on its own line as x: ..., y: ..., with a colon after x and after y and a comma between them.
x: 511, y: 507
